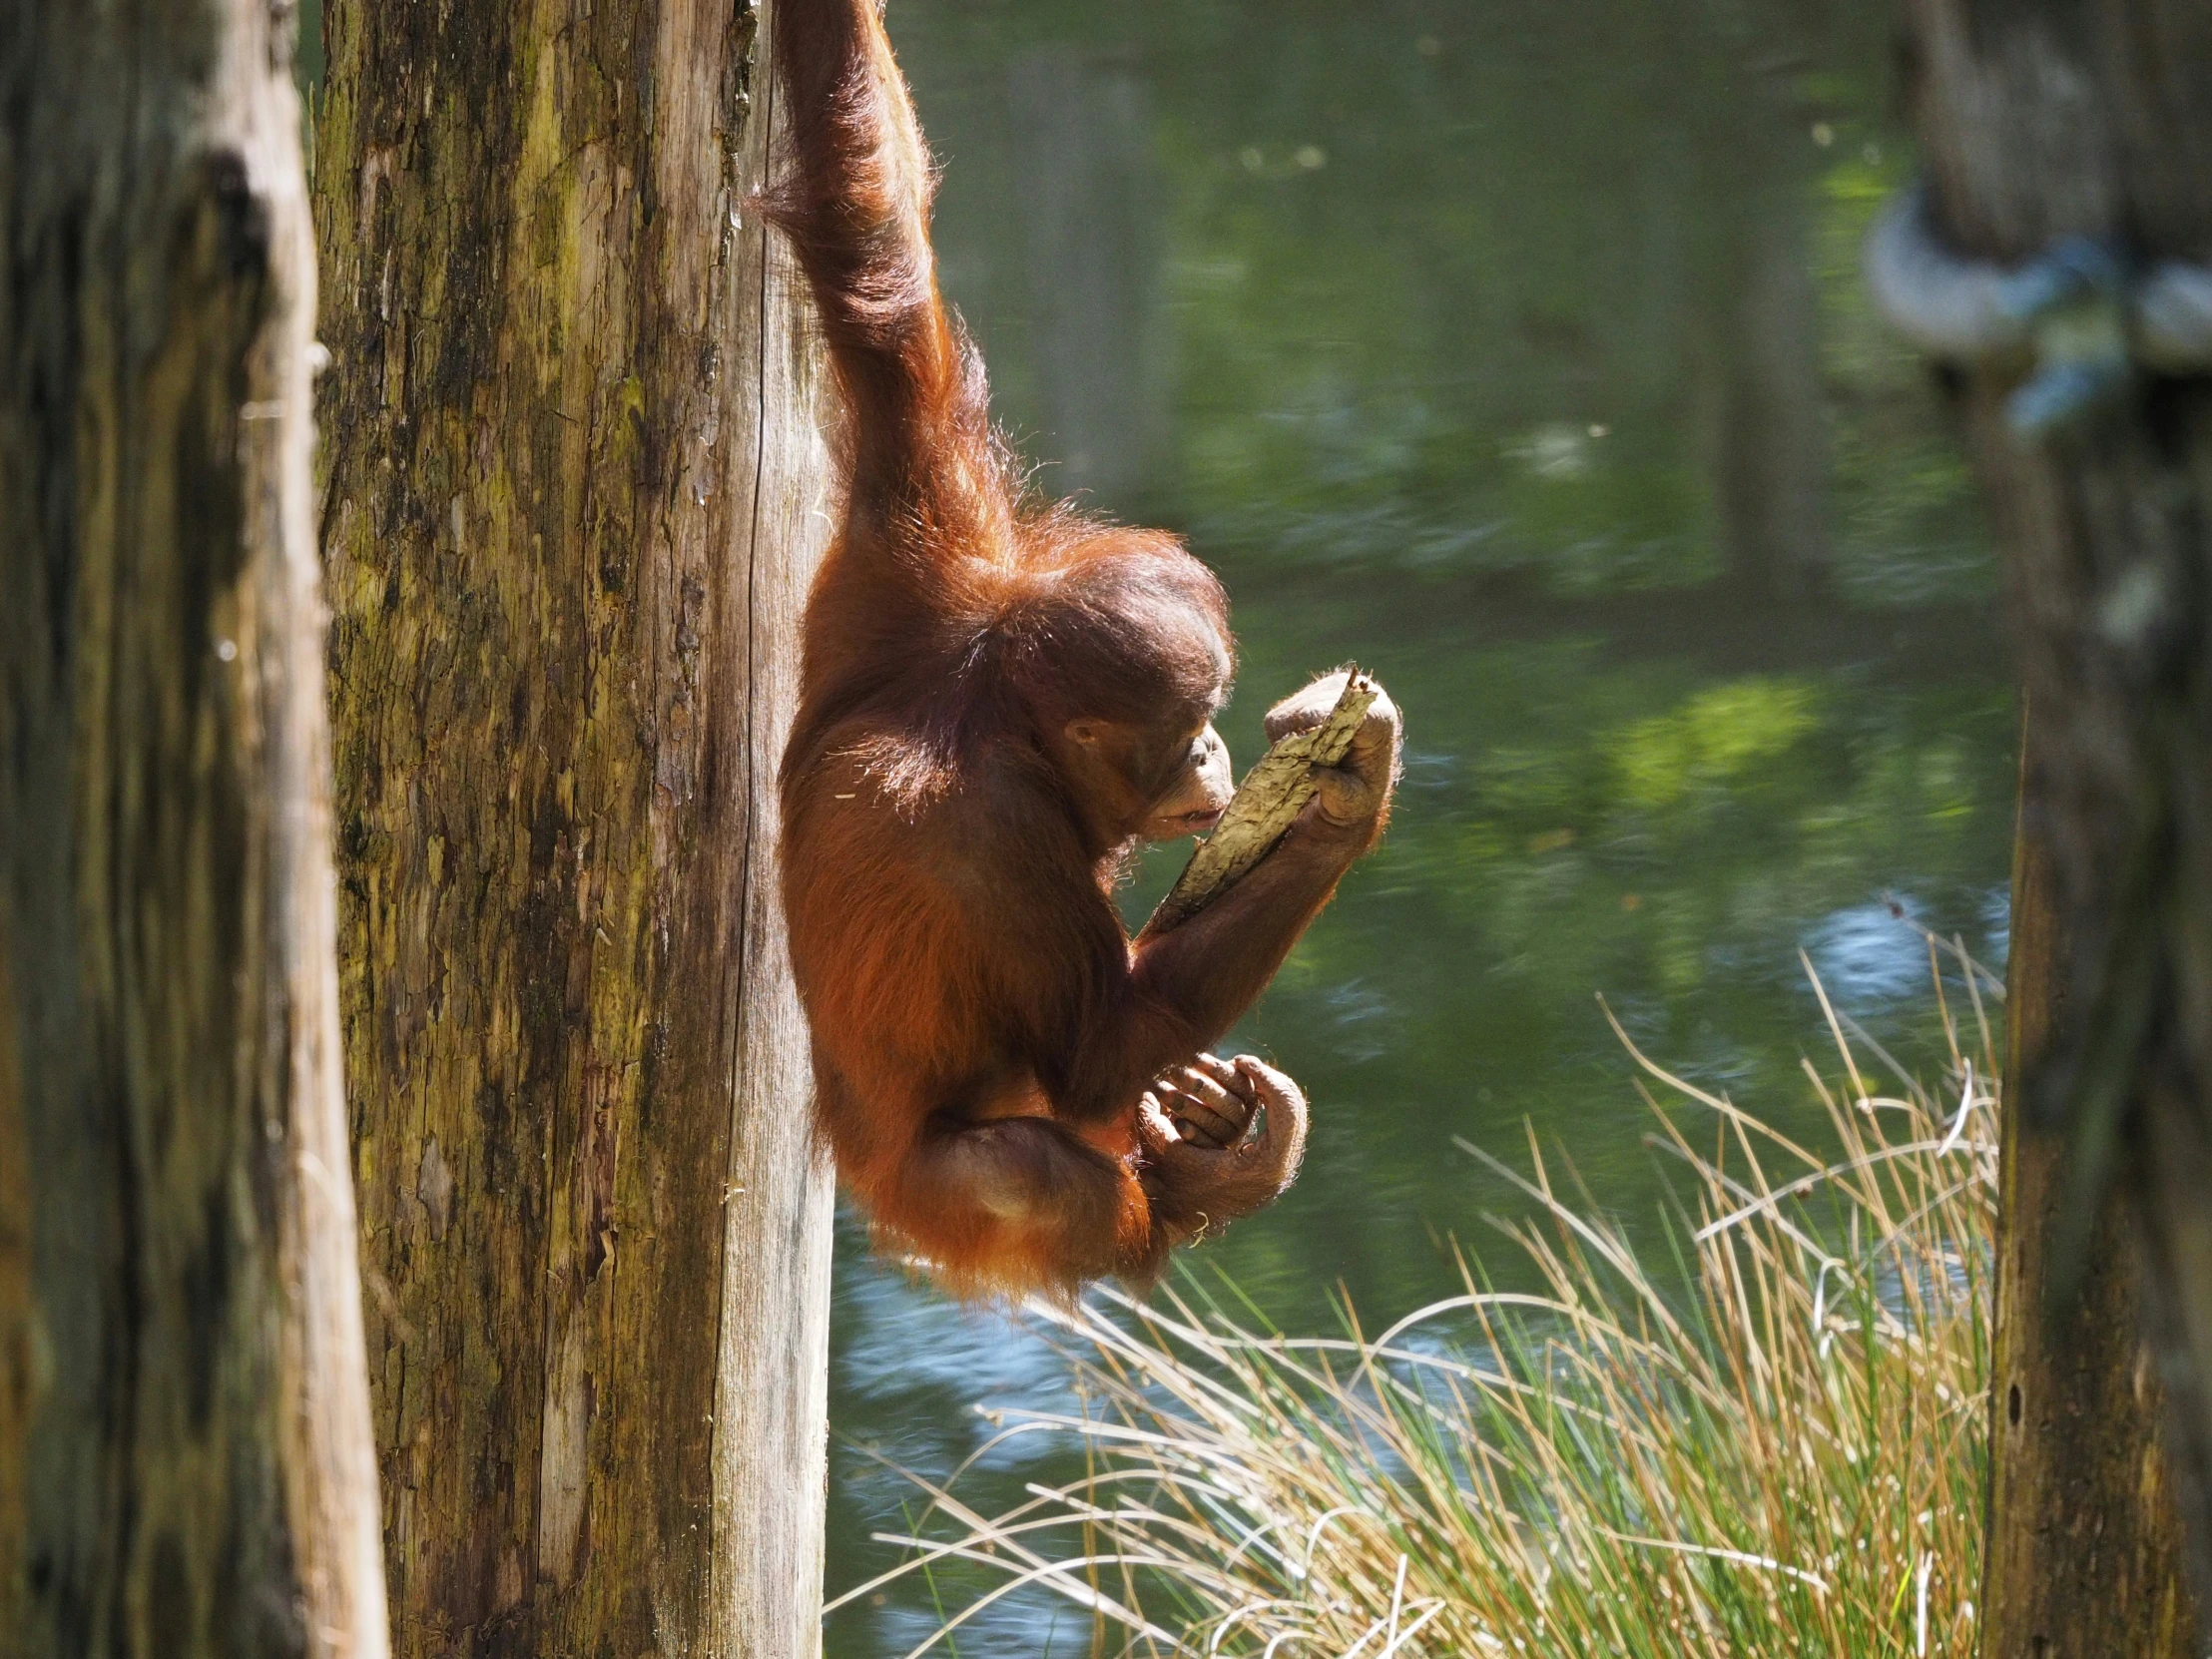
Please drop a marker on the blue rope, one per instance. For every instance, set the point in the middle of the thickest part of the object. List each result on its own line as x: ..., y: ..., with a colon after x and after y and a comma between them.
x: 2088, y: 321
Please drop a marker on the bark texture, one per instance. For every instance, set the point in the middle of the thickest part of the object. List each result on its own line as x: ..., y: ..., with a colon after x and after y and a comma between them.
x: 2084, y: 1552
x: 569, y: 523
x: 1264, y: 807
x: 2043, y: 119
x: 184, y: 1457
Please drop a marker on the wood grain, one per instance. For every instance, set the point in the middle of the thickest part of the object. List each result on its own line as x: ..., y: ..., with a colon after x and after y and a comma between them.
x: 186, y: 1465
x: 570, y: 521
x: 2041, y: 122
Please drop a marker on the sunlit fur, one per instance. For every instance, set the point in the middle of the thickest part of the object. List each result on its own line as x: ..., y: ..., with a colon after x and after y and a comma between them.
x: 981, y: 1029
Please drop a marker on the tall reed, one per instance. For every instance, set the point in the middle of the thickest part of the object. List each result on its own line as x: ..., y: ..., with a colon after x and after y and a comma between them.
x: 1769, y: 1443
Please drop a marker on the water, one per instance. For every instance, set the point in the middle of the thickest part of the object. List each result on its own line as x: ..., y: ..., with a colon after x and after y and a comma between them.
x: 1517, y: 350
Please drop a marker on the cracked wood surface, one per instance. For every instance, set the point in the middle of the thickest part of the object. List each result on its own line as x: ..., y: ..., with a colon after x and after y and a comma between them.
x: 570, y: 520
x: 185, y: 1456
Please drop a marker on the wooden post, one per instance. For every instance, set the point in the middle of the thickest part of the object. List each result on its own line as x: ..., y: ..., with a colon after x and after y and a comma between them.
x: 2042, y: 121
x: 185, y: 1455
x: 570, y: 522
x: 2083, y: 1550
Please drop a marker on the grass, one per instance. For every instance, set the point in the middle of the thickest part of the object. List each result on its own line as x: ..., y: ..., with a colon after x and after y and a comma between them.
x: 1769, y: 1442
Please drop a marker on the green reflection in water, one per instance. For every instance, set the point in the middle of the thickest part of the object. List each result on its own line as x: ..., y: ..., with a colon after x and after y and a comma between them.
x: 1517, y: 350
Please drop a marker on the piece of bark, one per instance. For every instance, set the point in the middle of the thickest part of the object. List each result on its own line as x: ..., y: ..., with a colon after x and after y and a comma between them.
x: 1265, y: 803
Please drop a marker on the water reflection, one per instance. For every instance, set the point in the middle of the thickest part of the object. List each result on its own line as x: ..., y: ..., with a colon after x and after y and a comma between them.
x: 1090, y: 195
x: 1517, y: 349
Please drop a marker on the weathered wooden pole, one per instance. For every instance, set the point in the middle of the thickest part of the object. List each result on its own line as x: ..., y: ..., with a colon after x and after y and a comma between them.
x: 186, y: 1465
x: 568, y: 524
x: 2069, y: 148
x: 2084, y: 1545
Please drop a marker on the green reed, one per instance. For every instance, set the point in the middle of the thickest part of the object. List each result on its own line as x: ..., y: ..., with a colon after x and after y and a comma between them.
x: 1767, y: 1441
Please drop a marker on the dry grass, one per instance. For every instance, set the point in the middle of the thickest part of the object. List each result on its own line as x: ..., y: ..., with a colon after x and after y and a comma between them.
x: 1769, y: 1444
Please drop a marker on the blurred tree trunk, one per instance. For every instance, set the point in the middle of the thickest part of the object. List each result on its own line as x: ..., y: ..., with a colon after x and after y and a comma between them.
x: 2084, y: 1545
x: 571, y: 461
x: 186, y: 1465
x: 1769, y: 437
x: 2040, y: 119
x: 1099, y: 326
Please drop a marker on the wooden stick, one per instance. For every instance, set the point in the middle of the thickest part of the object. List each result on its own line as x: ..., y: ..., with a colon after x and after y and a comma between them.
x: 1269, y: 796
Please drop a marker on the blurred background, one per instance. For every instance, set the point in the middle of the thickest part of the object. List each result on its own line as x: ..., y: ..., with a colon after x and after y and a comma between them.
x: 1517, y: 350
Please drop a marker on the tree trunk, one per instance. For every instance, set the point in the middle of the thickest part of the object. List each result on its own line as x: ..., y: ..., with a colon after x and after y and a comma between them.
x: 2085, y: 1545
x: 1768, y: 442
x: 572, y: 459
x: 1092, y: 206
x: 186, y: 1465
x: 2043, y: 119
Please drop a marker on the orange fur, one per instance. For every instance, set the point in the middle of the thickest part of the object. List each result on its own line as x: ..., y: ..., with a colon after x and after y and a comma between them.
x: 983, y: 1025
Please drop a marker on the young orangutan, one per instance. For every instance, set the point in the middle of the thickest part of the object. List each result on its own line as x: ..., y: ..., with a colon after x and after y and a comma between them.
x: 998, y: 701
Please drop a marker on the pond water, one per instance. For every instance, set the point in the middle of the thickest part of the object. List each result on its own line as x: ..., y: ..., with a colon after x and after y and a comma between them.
x: 1517, y: 350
